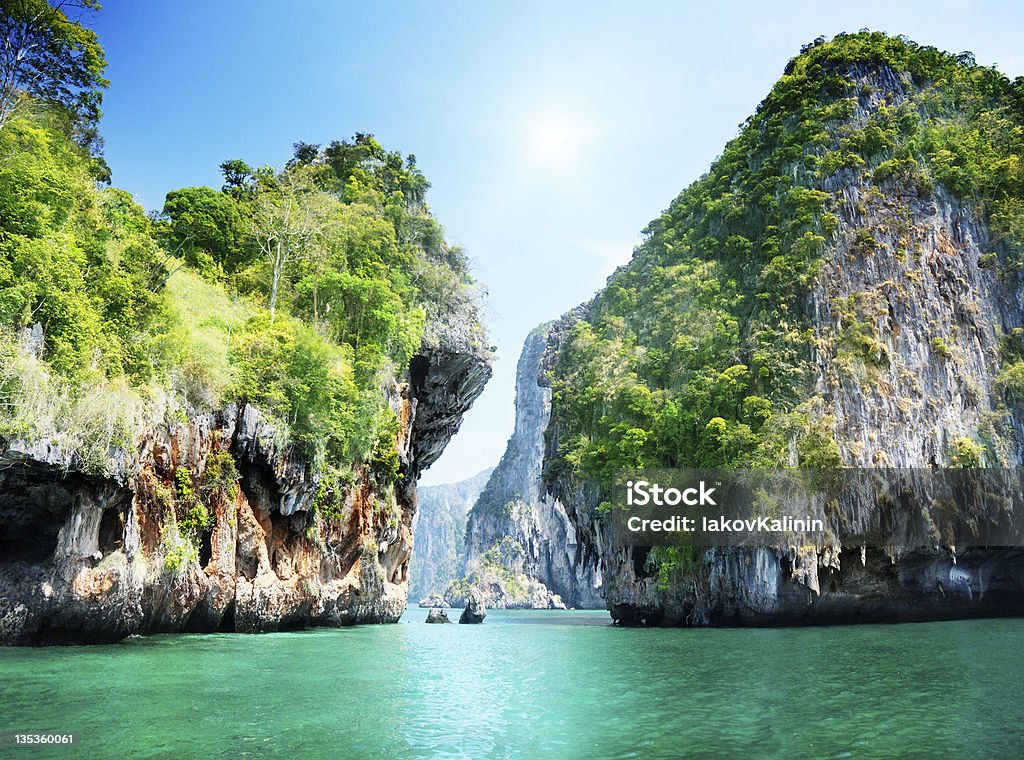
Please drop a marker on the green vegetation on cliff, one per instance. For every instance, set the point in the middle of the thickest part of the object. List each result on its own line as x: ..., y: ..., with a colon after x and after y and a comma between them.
x: 698, y: 353
x: 301, y: 290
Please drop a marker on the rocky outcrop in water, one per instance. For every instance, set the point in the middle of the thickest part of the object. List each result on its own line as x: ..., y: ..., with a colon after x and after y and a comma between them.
x: 475, y: 611
x: 440, y: 530
x: 437, y: 616
x: 521, y: 548
x: 908, y: 316
x: 89, y: 558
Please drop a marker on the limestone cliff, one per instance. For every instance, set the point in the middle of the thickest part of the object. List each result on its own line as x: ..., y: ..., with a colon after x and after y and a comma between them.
x: 440, y: 530
x: 882, y: 334
x: 521, y: 547
x: 88, y: 558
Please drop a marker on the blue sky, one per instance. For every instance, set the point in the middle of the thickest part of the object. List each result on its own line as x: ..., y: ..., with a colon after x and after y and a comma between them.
x: 551, y: 132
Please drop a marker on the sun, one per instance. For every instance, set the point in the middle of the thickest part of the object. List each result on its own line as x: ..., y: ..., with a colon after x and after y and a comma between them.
x: 554, y: 139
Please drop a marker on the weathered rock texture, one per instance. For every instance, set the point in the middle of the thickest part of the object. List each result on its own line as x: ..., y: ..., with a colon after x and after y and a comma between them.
x: 440, y: 530
x: 475, y: 611
x: 936, y: 313
x: 91, y: 559
x: 521, y: 547
x: 437, y: 616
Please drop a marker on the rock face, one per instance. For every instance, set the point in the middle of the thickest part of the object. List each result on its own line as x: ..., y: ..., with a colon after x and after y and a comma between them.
x: 87, y: 558
x: 437, y: 616
x: 521, y: 548
x: 475, y: 611
x: 906, y: 267
x: 440, y: 530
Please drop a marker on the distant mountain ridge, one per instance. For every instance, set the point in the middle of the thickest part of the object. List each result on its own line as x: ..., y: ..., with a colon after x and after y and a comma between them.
x: 439, y: 527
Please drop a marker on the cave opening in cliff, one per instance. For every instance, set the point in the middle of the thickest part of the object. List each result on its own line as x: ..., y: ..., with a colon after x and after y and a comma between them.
x: 640, y: 568
x: 227, y: 622
x: 111, y: 534
x: 30, y: 546
x: 785, y: 567
x: 35, y: 502
x: 418, y: 368
x: 293, y: 623
x: 206, y: 548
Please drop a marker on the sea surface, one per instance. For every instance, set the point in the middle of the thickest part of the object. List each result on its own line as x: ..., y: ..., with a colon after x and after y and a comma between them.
x: 530, y: 685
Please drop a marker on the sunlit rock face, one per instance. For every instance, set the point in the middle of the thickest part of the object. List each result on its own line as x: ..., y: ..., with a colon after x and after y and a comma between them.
x: 85, y: 558
x: 521, y: 548
x: 909, y: 272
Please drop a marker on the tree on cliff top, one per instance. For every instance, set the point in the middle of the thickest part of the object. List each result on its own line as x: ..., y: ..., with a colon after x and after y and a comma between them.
x: 46, y: 55
x: 290, y: 219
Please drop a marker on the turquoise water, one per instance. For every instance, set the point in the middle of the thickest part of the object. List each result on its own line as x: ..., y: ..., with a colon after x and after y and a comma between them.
x: 528, y: 685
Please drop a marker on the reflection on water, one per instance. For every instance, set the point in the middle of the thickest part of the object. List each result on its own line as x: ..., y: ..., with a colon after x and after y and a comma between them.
x: 532, y: 684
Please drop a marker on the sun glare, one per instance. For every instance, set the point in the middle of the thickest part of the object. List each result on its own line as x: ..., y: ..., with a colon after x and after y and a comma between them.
x: 554, y: 139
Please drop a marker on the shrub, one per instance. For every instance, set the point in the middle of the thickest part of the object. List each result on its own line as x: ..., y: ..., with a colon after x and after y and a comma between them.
x: 940, y: 349
x: 220, y: 475
x: 966, y: 452
x: 178, y: 550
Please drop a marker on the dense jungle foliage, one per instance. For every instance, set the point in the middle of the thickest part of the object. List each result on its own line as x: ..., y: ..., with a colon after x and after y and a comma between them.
x: 302, y: 290
x: 697, y: 353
